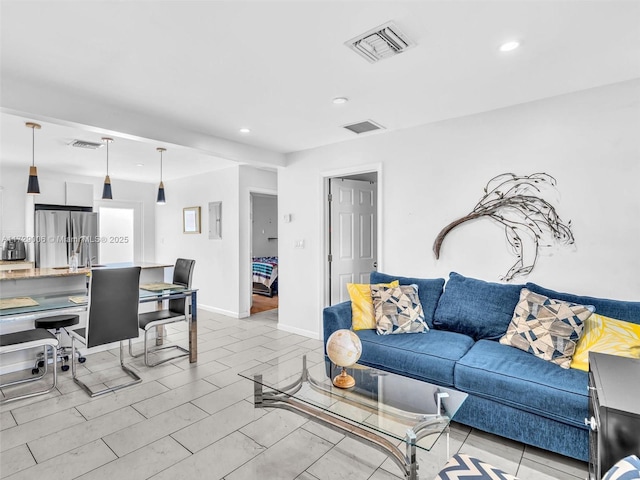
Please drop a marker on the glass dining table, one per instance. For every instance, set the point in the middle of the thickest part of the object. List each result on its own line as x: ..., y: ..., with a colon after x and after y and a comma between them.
x: 76, y: 301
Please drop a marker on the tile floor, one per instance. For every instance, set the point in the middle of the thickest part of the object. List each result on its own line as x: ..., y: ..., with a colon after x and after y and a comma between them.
x: 198, y: 422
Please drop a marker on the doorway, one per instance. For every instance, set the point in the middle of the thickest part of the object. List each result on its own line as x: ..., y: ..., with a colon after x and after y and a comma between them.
x: 117, y: 228
x: 264, y: 252
x: 353, y: 232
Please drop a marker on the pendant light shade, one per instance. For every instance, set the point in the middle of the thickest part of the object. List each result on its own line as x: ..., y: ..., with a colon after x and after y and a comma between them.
x: 161, y: 200
x: 33, y: 187
x: 106, y: 189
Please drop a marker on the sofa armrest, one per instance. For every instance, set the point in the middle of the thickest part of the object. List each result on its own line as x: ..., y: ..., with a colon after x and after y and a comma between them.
x: 334, y: 318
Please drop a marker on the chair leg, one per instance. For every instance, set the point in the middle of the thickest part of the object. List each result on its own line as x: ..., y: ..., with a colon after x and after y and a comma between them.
x: 128, y: 371
x: 32, y: 379
x: 157, y: 349
x: 146, y: 351
x: 131, y: 354
x: 61, y: 352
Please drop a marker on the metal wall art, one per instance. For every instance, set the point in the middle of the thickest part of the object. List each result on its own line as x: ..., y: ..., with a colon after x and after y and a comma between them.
x: 514, y: 201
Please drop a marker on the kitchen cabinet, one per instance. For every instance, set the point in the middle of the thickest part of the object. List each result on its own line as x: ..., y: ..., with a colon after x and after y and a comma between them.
x: 51, y: 192
x: 65, y: 193
x: 79, y: 194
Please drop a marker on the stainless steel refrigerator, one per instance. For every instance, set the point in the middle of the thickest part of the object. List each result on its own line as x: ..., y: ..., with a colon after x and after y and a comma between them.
x: 60, y: 233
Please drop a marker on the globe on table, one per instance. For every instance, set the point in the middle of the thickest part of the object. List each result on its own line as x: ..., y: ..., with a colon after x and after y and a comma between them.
x: 344, y: 349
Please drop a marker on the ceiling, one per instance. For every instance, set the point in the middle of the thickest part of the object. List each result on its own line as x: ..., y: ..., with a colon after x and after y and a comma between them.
x: 187, y: 75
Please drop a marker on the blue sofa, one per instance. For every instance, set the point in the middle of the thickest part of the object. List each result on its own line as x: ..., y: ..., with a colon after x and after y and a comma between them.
x: 511, y: 392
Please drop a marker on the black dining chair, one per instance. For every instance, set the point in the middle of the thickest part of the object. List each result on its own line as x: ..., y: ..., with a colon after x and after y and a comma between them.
x: 113, y: 317
x: 178, y: 311
x: 27, y: 340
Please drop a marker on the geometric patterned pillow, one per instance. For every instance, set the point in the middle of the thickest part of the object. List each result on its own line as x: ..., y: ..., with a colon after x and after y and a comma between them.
x: 398, y: 309
x: 463, y: 466
x: 547, y: 328
x: 626, y: 469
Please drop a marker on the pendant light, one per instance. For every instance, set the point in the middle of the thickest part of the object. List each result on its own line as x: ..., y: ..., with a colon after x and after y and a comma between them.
x: 161, y: 199
x: 33, y: 187
x: 106, y: 189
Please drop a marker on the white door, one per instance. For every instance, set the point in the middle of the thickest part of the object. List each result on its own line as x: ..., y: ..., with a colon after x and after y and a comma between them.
x: 353, y: 241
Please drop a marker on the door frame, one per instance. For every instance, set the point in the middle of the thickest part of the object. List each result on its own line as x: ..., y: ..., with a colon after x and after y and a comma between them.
x: 248, y: 252
x: 139, y: 253
x: 324, y: 229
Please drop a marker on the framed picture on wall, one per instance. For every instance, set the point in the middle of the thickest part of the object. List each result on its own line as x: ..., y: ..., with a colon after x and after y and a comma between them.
x: 191, y: 220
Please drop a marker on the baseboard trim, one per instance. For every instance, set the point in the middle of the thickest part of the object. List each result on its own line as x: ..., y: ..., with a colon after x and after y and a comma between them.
x: 227, y: 313
x: 299, y: 331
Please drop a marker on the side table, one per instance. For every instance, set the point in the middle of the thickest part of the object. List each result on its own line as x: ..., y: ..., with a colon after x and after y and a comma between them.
x: 614, y: 411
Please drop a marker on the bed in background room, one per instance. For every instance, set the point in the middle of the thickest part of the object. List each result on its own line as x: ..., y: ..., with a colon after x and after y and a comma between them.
x: 265, y: 275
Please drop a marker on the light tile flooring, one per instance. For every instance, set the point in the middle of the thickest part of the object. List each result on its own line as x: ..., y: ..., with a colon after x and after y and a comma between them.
x: 198, y: 422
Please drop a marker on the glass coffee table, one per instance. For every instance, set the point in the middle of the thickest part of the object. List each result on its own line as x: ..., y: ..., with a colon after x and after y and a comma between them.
x: 396, y: 415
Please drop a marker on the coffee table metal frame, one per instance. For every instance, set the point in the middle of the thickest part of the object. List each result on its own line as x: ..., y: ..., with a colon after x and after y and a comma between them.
x: 284, y: 398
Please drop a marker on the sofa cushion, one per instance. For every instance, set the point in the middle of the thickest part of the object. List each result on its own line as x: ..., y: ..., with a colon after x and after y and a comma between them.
x: 512, y: 377
x: 546, y: 328
x: 430, y: 357
x: 476, y: 308
x: 429, y: 290
x: 397, y: 309
x: 619, y: 309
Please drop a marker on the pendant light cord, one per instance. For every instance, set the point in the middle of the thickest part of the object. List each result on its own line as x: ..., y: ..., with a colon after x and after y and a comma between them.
x: 107, y: 158
x: 33, y: 147
x: 160, y: 165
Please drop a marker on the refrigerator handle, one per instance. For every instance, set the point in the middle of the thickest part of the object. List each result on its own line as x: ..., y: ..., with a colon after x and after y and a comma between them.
x: 69, y: 239
x: 76, y: 240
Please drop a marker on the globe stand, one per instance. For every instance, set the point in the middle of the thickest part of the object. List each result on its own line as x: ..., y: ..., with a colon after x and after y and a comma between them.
x: 344, y: 380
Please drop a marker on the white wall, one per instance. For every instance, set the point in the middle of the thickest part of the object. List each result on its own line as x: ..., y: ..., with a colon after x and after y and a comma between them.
x: 216, y: 269
x: 434, y: 174
x: 223, y: 271
x: 15, y: 199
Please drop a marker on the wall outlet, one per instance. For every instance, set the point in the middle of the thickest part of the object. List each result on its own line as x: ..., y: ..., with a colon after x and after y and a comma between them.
x: 299, y: 244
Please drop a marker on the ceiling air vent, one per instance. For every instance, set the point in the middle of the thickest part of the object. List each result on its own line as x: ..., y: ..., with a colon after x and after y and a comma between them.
x: 382, y: 42
x: 362, y: 127
x: 86, y: 144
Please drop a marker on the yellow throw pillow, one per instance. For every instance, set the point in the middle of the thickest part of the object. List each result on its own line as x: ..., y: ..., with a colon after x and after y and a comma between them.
x: 606, y: 335
x: 362, y: 314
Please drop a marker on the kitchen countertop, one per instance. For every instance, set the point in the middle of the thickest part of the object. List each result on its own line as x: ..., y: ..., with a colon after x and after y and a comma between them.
x: 64, y: 271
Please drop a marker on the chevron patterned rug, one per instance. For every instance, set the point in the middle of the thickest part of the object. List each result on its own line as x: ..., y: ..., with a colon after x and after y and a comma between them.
x: 464, y: 467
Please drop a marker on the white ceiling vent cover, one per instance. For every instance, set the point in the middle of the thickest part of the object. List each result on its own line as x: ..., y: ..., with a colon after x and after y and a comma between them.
x: 363, y: 127
x: 86, y: 144
x: 379, y: 43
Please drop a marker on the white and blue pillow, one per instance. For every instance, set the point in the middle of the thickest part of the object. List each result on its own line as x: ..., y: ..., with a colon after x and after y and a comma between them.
x: 398, y: 309
x: 626, y: 469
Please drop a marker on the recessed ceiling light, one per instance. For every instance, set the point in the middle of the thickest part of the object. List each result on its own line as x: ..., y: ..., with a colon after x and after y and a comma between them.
x: 245, y: 130
x: 139, y: 164
x: 509, y: 46
x: 340, y: 100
